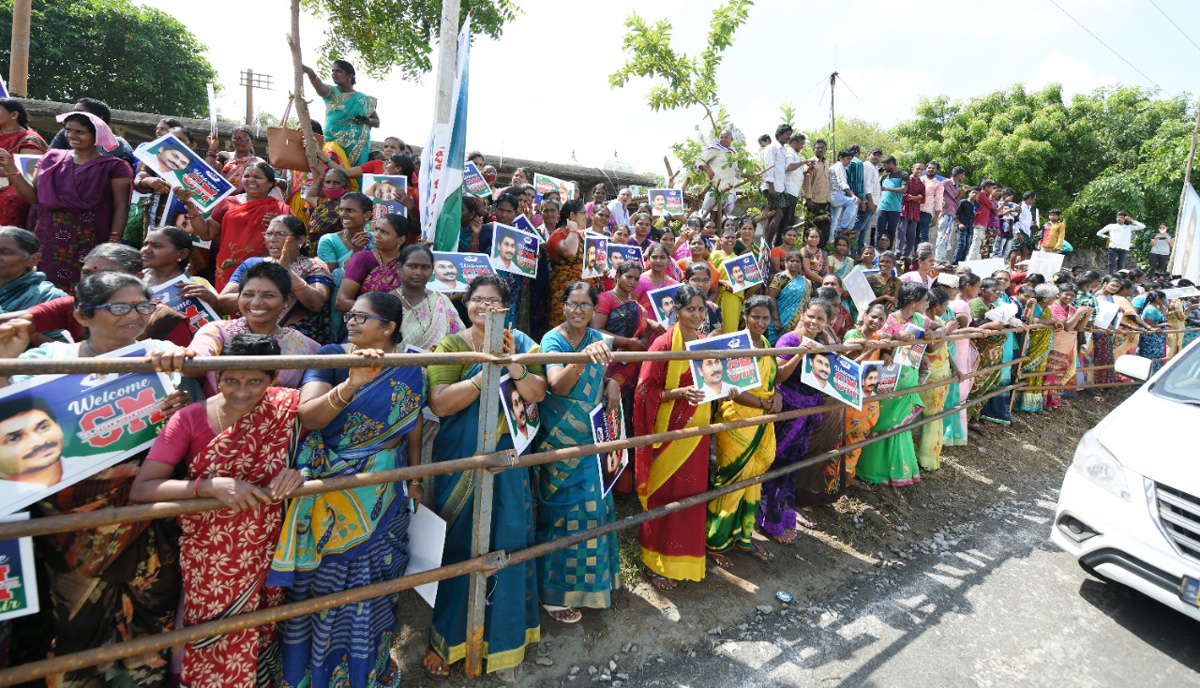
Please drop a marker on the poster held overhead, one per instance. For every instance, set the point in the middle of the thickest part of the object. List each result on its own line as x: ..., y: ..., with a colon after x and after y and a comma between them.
x: 666, y: 202
x: 182, y: 168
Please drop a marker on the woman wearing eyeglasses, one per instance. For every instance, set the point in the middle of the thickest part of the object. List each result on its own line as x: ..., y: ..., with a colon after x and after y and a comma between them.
x: 367, y: 420
x: 262, y: 295
x: 570, y: 494
x: 105, y: 606
x: 455, y: 390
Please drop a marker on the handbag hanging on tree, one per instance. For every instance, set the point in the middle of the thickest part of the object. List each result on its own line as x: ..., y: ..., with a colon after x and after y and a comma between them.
x: 285, y: 147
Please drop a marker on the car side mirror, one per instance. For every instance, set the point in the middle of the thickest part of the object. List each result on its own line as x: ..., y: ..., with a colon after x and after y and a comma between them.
x: 1136, y: 367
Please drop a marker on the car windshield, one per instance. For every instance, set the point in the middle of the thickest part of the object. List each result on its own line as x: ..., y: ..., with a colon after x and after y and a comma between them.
x: 1182, y: 381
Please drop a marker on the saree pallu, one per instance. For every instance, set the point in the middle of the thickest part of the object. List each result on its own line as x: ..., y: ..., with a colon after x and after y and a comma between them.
x: 14, y: 210
x: 340, y: 110
x: 300, y: 182
x: 348, y: 539
x: 425, y: 325
x: 791, y: 303
x: 311, y: 324
x: 730, y: 302
x: 858, y: 426
x: 225, y: 555
x: 511, y: 619
x: 570, y: 495
x: 929, y: 449
x: 954, y: 432
x: 991, y: 353
x: 241, y: 237
x: 110, y: 584
x: 1038, y: 351
x: 671, y: 546
x: 563, y: 273
x: 1060, y: 364
x: 741, y: 454
x: 323, y: 219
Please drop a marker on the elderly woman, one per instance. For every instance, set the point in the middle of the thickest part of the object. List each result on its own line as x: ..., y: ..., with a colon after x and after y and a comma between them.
x: 236, y: 163
x: 236, y: 448
x: 261, y: 300
x: 570, y: 494
x: 16, y: 137
x: 349, y: 115
x: 307, y: 307
x: 82, y: 196
x: 368, y: 420
x: 119, y: 582
x: 237, y: 223
x: 22, y: 285
x: 511, y: 620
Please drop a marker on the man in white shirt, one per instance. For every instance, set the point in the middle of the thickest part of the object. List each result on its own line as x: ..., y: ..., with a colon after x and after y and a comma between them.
x: 841, y: 198
x: 774, y: 177
x: 1023, y: 227
x: 793, y: 180
x: 618, y: 209
x: 1120, y: 237
x: 724, y: 175
x: 867, y: 207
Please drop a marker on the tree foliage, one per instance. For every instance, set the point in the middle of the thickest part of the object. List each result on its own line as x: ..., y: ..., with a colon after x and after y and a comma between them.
x: 131, y: 57
x: 1117, y: 148
x: 380, y: 36
x: 852, y: 130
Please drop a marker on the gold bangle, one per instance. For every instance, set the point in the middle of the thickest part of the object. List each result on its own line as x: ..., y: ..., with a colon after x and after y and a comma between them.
x: 345, y: 402
x: 329, y: 399
x: 415, y: 482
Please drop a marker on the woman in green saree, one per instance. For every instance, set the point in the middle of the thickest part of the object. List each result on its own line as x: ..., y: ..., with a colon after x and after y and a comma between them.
x: 569, y: 492
x: 349, y: 115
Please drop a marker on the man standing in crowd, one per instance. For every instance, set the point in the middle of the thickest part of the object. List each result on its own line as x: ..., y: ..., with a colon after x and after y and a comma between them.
x: 931, y: 207
x: 816, y: 188
x: 774, y: 176
x: 1120, y: 237
x: 842, y: 199
x: 792, y: 183
x: 854, y: 177
x: 722, y: 174
x: 868, y: 200
x: 910, y: 213
x: 891, y: 200
x: 946, y: 228
x: 1023, y: 228
x: 983, y: 217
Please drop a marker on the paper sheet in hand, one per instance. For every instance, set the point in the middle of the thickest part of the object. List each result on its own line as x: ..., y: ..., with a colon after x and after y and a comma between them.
x: 1002, y: 312
x: 1045, y: 263
x: 1106, y: 313
x: 426, y: 540
x: 860, y: 289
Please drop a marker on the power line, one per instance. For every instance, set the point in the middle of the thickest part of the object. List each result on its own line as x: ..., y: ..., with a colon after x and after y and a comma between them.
x: 1177, y: 27
x: 1110, y: 48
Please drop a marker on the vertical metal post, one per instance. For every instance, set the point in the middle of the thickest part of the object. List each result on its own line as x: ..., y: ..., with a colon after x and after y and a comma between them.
x: 18, y: 67
x: 250, y: 98
x: 481, y: 533
x: 1016, y: 372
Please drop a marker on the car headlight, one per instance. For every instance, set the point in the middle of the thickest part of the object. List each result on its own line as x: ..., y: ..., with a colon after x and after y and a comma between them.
x: 1098, y: 465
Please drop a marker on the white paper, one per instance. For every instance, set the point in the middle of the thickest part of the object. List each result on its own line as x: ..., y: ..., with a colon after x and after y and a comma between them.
x: 985, y: 268
x: 426, y: 540
x: 1045, y: 263
x: 1181, y: 292
x: 1106, y: 313
x: 1002, y: 312
x: 859, y: 288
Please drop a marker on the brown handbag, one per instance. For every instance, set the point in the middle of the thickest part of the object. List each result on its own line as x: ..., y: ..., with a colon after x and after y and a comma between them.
x: 285, y: 147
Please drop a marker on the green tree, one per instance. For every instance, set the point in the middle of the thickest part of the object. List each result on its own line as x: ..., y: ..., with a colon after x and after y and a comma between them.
x: 131, y: 57
x: 866, y: 134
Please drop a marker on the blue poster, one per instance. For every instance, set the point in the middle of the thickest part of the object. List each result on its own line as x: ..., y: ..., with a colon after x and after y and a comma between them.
x: 720, y: 378
x: 172, y: 160
x: 453, y: 272
x: 18, y: 576
x: 196, y: 311
x: 387, y: 191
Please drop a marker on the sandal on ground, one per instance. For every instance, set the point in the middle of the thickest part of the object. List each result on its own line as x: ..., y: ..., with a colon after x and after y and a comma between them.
x: 661, y: 582
x: 721, y: 560
x: 436, y: 669
x: 567, y: 615
x: 757, y: 551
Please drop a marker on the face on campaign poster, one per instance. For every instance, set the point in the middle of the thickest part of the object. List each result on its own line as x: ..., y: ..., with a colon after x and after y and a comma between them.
x: 175, y: 162
x: 454, y: 272
x: 719, y: 377
x: 514, y: 251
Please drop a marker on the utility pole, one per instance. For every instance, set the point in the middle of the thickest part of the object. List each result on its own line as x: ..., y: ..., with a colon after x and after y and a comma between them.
x: 832, y: 117
x: 251, y: 81
x: 18, y: 66
x: 447, y: 56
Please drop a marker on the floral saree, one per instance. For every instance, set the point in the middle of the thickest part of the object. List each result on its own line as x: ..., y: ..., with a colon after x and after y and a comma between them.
x: 1038, y: 351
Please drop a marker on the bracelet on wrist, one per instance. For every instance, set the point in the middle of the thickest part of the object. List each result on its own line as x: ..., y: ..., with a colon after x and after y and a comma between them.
x: 415, y: 482
x: 475, y: 385
x: 524, y: 374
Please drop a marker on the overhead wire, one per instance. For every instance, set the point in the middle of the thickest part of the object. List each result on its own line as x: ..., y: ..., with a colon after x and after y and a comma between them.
x: 1177, y: 27
x: 1110, y: 48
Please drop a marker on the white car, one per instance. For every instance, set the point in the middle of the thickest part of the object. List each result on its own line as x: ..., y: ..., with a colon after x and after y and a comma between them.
x: 1129, y: 509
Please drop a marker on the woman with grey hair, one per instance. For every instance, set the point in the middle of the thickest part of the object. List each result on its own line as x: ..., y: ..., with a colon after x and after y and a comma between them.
x: 22, y: 285
x: 1038, y: 308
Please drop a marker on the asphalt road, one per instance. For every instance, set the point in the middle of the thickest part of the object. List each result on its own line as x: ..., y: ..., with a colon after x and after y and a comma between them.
x: 987, y: 602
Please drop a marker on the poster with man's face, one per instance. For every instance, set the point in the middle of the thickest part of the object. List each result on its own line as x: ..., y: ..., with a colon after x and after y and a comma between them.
x: 198, y: 312
x: 454, y: 272
x: 56, y: 430
x: 720, y: 377
x: 666, y: 202
x: 835, y: 376
x: 742, y: 272
x: 595, y: 255
x: 179, y: 165
x: 662, y: 300
x: 388, y: 191
x: 606, y: 427
x: 522, y: 415
x: 619, y: 254
x: 515, y: 251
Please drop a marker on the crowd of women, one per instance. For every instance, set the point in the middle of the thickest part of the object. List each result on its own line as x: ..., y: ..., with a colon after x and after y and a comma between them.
x: 294, y: 270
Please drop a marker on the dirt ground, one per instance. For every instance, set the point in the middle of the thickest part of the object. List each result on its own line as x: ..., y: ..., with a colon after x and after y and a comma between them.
x: 853, y: 539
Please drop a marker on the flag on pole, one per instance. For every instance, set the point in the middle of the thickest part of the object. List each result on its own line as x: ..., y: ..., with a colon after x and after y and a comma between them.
x: 442, y: 161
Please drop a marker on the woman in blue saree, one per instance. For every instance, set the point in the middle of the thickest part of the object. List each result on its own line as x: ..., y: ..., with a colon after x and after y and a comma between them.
x: 511, y: 621
x: 364, y: 420
x: 570, y: 494
x: 1153, y: 345
x: 790, y: 290
x: 349, y: 115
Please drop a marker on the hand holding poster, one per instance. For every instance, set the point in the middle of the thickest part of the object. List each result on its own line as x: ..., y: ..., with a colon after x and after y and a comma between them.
x: 27, y: 164
x: 606, y: 427
x: 742, y: 272
x: 181, y: 167
x: 912, y: 354
x: 718, y: 378
x: 1106, y: 314
x: 834, y: 376
x: 453, y: 272
x: 662, y: 301
x: 889, y: 377
x: 18, y: 575
x: 666, y: 202
x: 388, y: 191
x: 595, y: 255
x: 474, y: 182
x: 522, y: 416
x: 198, y: 312
x: 859, y: 288
x: 515, y: 251
x: 71, y: 426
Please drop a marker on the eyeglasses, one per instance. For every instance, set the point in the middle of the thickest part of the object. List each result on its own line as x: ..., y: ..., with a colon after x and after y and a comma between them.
x: 485, y: 302
x: 275, y: 235
x: 577, y: 307
x: 119, y: 309
x: 360, y: 318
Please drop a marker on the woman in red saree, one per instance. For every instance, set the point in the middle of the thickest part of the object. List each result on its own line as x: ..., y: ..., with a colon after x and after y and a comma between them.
x: 17, y: 138
x: 236, y: 446
x: 238, y: 222
x: 667, y: 399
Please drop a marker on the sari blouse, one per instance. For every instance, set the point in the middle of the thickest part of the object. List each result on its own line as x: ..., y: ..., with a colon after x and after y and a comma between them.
x: 430, y: 321
x: 371, y: 275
